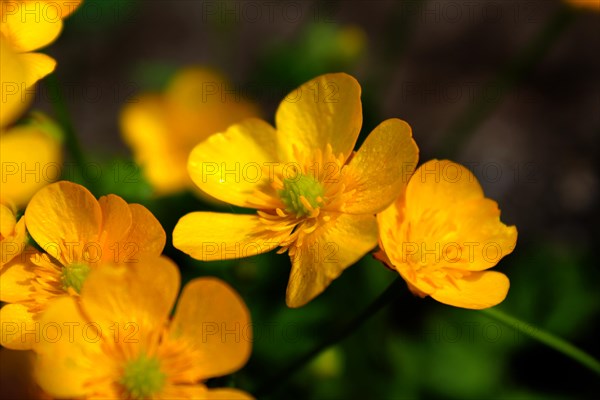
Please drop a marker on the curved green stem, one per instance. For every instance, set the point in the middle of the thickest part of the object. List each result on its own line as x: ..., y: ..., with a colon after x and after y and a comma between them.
x: 547, y: 338
x: 337, y: 336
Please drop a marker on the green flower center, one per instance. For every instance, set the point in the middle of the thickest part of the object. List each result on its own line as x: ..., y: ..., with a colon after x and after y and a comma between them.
x: 301, y: 194
x: 74, y: 275
x: 142, y: 377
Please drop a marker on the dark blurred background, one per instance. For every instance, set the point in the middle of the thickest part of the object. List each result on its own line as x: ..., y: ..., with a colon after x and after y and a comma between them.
x: 509, y: 88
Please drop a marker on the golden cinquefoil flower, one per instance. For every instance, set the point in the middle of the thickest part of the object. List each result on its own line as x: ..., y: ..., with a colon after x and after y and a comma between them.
x: 29, y: 25
x: 315, y: 198
x: 121, y: 344
x: 443, y: 234
x: 77, y: 233
x: 162, y: 129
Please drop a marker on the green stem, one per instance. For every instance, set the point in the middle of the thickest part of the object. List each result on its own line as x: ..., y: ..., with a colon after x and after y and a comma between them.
x: 384, y: 298
x: 547, y: 338
x: 508, y: 77
x: 62, y: 115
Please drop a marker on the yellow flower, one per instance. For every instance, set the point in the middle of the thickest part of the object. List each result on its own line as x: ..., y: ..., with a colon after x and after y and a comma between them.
x: 443, y: 234
x: 315, y: 197
x: 31, y: 155
x: 77, y: 232
x: 12, y: 233
x: 29, y: 25
x: 163, y: 128
x: 122, y: 344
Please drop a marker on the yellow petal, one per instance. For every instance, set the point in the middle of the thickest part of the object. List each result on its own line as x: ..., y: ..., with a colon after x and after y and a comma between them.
x: 476, y: 291
x: 324, y: 256
x: 382, y: 167
x: 145, y: 128
x: 233, y: 165
x: 14, y: 97
x: 485, y: 238
x: 146, y: 236
x: 136, y: 298
x: 209, y: 236
x: 37, y: 66
x: 436, y: 184
x: 18, y: 330
x: 27, y: 27
x: 15, y: 280
x: 226, y: 394
x: 69, y: 354
x: 325, y: 110
x: 116, y: 223
x: 213, y: 317
x: 31, y: 158
x: 64, y: 212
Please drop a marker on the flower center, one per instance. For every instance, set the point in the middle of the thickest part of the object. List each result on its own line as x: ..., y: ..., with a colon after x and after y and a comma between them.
x: 74, y: 275
x: 301, y: 194
x: 142, y: 377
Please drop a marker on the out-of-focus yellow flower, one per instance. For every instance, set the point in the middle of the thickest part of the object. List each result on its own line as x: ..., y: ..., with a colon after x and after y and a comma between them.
x: 29, y: 25
x: 162, y: 129
x: 77, y: 232
x: 123, y: 346
x: 443, y: 235
x: 31, y: 155
x: 12, y: 233
x: 315, y: 197
x: 13, y: 96
x: 588, y: 4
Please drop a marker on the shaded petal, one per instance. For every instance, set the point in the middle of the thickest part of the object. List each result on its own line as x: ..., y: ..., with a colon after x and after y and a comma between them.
x: 18, y: 329
x: 382, y: 167
x: 14, y: 99
x: 325, y: 110
x: 477, y: 291
x: 67, y: 362
x: 233, y: 165
x: 27, y: 28
x: 137, y: 297
x: 116, y: 223
x: 37, y: 66
x: 214, y: 318
x: 16, y: 376
x: 209, y: 236
x: 146, y: 236
x: 64, y: 212
x: 324, y: 256
x: 15, y: 280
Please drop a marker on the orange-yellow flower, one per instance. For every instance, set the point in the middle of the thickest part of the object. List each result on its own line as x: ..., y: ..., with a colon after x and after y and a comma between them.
x: 31, y: 155
x: 77, y: 232
x: 163, y: 128
x: 12, y: 233
x: 121, y: 344
x: 315, y: 198
x: 443, y: 234
x: 26, y: 26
